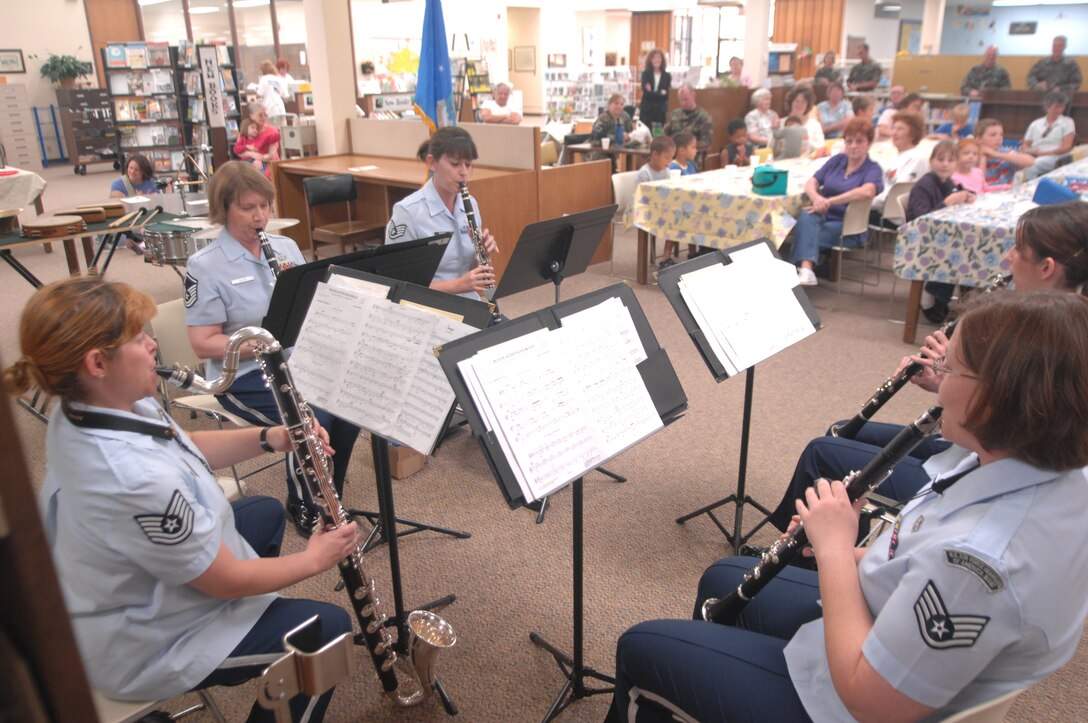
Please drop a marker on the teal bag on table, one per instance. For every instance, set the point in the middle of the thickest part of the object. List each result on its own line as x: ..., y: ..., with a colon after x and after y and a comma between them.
x: 769, y: 181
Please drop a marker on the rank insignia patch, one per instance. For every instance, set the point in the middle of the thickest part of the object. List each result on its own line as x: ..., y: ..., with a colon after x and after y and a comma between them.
x: 395, y: 231
x: 190, y: 291
x: 172, y: 526
x: 942, y: 630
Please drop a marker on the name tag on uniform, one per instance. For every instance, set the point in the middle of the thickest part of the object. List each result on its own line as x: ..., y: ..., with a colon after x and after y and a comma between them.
x: 242, y: 280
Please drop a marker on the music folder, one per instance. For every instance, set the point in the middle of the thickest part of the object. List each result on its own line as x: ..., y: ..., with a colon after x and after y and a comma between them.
x: 556, y: 393
x: 411, y: 261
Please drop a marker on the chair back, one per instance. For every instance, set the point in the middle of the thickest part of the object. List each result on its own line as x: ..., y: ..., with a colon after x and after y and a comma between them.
x: 329, y: 189
x: 895, y: 209
x: 549, y: 155
x: 992, y: 711
x: 172, y: 335
x: 856, y: 218
x: 623, y: 191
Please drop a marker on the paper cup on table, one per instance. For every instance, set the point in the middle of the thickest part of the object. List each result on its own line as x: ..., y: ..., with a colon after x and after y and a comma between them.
x: 674, y: 173
x: 605, y: 143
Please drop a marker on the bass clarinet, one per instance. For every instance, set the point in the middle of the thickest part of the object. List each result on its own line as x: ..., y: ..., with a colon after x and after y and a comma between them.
x: 891, y: 385
x: 482, y: 257
x: 428, y: 632
x: 726, y: 610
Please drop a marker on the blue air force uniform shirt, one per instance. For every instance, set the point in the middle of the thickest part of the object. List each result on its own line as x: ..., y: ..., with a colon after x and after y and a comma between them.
x: 227, y: 285
x: 424, y: 214
x: 976, y: 592
x: 131, y: 519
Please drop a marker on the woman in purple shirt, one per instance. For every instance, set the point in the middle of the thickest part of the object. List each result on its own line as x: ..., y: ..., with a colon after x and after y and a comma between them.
x: 846, y: 177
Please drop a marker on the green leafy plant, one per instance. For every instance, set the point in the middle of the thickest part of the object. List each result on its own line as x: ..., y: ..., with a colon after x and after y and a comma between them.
x: 57, y: 67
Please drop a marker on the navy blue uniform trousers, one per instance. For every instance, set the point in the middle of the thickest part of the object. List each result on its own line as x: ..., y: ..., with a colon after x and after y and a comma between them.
x: 250, y: 398
x: 668, y: 669
x: 261, y: 520
x: 833, y: 458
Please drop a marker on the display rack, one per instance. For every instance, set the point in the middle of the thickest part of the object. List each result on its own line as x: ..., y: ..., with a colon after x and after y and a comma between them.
x: 191, y: 93
x: 144, y: 101
x: 390, y: 106
x: 86, y: 116
x: 470, y: 78
x: 574, y: 93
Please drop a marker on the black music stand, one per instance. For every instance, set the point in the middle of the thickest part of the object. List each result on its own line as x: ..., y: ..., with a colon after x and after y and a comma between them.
x: 668, y: 281
x: 669, y: 402
x: 547, y: 252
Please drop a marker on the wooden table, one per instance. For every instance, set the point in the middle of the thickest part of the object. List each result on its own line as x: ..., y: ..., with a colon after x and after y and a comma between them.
x: 637, y: 154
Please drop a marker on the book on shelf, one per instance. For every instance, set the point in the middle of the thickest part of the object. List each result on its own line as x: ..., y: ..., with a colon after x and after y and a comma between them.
x: 115, y: 56
x: 161, y: 161
x: 128, y: 137
x: 162, y: 81
x: 227, y: 79
x: 136, y: 84
x: 192, y: 82
x: 158, y: 54
x: 224, y: 54
x: 177, y: 159
x: 186, y: 53
x: 122, y: 110
x: 169, y: 108
x: 158, y: 135
x: 230, y: 105
x: 232, y: 127
x: 139, y: 110
x: 154, y: 109
x: 136, y: 55
x: 172, y: 136
x: 196, y: 110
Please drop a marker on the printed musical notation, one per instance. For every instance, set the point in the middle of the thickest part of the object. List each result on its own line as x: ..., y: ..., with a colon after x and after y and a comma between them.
x: 560, y: 403
x: 370, y: 361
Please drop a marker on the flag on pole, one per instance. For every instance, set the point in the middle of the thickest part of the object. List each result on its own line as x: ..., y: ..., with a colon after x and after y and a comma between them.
x: 434, y: 84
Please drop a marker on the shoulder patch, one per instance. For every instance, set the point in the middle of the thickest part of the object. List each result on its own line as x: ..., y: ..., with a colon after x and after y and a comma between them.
x: 941, y: 630
x: 190, y: 291
x: 981, y: 569
x: 394, y: 230
x: 172, y: 526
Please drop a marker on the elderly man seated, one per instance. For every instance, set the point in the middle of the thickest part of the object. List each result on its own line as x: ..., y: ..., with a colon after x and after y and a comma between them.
x: 499, y: 109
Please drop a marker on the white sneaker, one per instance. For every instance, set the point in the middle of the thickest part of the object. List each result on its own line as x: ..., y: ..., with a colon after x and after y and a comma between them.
x: 806, y: 277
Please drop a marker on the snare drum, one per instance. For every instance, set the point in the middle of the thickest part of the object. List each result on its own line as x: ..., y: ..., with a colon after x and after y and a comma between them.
x: 172, y: 247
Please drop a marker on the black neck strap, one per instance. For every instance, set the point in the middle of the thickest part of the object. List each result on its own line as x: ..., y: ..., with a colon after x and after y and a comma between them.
x: 98, y: 420
x: 943, y: 484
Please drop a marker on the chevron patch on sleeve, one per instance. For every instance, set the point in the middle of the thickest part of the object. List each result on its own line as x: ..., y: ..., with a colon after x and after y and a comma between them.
x: 942, y: 630
x: 170, y: 527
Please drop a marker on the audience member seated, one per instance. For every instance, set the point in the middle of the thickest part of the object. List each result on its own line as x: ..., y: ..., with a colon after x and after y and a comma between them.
x: 864, y: 107
x: 911, y: 163
x: 997, y: 163
x: 1049, y: 137
x: 1056, y: 72
x: 686, y: 150
x: 499, y: 109
x: 896, y: 94
x: 834, y: 112
x: 265, y: 145
x: 968, y: 174
x: 790, y: 139
x: 958, y: 127
x: 987, y: 75
x: 614, y: 124
x: 738, y: 151
x: 761, y: 119
x: 847, y: 176
x: 801, y: 102
x: 736, y: 78
x: 139, y: 178
x: 690, y: 117
x: 911, y: 103
x: 828, y: 74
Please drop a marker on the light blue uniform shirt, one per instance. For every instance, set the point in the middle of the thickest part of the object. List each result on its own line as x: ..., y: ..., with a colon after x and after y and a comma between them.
x: 424, y: 214
x: 985, y: 590
x: 131, y: 519
x: 227, y: 285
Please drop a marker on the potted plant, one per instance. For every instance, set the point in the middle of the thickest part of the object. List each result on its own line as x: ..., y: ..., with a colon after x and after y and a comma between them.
x: 64, y: 69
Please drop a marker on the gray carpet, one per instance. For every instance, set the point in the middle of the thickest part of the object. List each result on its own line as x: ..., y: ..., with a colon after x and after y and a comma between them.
x: 514, y: 576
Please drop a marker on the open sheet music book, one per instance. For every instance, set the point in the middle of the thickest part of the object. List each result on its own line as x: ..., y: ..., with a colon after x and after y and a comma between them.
x: 748, y: 309
x: 371, y: 361
x: 562, y: 401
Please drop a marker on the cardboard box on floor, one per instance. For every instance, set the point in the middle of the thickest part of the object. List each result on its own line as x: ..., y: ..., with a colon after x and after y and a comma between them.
x: 404, y: 461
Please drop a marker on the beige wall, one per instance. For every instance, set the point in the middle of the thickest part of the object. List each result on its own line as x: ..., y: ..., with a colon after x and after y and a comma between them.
x: 523, y: 30
x: 65, y: 33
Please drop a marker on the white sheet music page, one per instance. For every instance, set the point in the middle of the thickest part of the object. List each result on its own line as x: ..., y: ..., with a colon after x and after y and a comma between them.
x: 748, y: 307
x: 329, y: 330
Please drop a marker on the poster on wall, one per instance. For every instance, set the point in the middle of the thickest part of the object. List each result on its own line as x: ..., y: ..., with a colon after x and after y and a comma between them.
x: 910, y: 36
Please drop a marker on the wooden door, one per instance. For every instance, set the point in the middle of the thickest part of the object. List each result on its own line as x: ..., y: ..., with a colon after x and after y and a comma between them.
x: 815, y: 24
x: 111, y: 21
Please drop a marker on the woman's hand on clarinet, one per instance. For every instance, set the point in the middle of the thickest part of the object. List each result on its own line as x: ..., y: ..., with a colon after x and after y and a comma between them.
x: 830, y: 519
x: 490, y: 245
x: 478, y: 278
x: 328, y: 547
x: 933, y: 348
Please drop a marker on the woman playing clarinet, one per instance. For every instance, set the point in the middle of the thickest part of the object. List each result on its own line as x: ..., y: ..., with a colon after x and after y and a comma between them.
x: 978, y: 590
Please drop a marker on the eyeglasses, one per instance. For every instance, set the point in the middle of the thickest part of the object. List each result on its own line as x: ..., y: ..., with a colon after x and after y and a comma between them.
x: 940, y: 368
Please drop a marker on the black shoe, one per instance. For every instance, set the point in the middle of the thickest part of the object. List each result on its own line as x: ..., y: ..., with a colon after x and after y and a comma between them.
x: 303, y: 519
x: 936, y: 313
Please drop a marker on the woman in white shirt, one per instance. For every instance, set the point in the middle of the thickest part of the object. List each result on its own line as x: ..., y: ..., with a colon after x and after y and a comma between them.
x: 272, y: 89
x: 1049, y: 137
x: 908, y: 129
x: 761, y: 120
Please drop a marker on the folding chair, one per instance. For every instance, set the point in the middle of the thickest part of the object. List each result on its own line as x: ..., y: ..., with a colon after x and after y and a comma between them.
x: 339, y: 189
x: 624, y: 186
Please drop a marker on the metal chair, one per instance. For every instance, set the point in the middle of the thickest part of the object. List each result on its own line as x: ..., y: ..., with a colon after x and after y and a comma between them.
x: 125, y: 711
x: 895, y: 215
x: 171, y: 334
x: 855, y: 221
x: 624, y: 186
x: 339, y: 189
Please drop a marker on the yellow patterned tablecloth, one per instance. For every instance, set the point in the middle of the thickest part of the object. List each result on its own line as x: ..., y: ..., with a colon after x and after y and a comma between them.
x: 718, y: 208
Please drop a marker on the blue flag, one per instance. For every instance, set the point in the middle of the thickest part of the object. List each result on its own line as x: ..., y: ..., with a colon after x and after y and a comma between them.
x: 434, y: 86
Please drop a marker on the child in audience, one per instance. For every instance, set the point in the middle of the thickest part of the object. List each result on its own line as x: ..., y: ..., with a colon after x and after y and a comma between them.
x: 247, y: 141
x: 738, y: 151
x: 934, y: 190
x: 686, y: 150
x: 997, y: 163
x: 968, y: 174
x: 662, y: 150
x: 956, y: 128
x: 790, y: 144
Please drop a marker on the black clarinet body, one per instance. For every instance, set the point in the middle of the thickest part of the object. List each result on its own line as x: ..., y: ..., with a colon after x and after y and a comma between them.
x: 269, y: 254
x: 726, y: 610
x: 482, y: 257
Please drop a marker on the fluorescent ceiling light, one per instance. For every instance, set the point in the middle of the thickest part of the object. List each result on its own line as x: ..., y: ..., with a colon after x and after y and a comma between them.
x: 891, y: 7
x: 1022, y: 3
x: 202, y: 10
x: 145, y: 3
x: 250, y: 3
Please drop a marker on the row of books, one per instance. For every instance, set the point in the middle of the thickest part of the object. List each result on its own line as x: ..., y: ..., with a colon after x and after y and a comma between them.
x: 191, y: 81
x: 187, y: 54
x: 165, y: 161
x: 150, y: 135
x: 142, y: 110
x: 142, y: 83
x: 137, y: 55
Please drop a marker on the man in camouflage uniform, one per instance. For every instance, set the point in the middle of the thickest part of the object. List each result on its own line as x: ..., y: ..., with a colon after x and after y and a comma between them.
x: 691, y: 118
x: 866, y: 74
x: 606, y: 124
x: 1056, y: 72
x: 987, y: 75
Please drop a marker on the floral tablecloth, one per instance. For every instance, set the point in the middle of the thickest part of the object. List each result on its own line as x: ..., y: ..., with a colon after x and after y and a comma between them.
x: 718, y: 208
x: 966, y: 244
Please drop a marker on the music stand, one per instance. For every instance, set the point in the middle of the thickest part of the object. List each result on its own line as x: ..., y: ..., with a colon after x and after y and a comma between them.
x: 668, y: 281
x: 669, y: 401
x: 547, y: 252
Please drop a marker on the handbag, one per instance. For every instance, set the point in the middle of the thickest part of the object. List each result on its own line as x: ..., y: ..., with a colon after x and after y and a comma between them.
x: 769, y: 181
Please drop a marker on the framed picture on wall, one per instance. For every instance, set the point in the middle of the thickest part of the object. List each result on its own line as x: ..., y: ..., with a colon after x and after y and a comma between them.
x: 557, y: 60
x: 11, y: 61
x: 525, y: 59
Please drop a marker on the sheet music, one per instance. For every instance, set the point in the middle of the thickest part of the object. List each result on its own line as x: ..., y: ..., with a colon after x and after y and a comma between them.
x: 747, y: 309
x: 371, y: 362
x: 367, y: 288
x: 561, y: 402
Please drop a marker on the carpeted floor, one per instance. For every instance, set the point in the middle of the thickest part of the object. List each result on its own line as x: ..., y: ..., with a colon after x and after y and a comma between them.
x: 514, y: 576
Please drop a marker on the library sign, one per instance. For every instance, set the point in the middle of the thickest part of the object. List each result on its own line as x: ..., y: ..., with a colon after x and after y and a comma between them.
x: 213, y: 93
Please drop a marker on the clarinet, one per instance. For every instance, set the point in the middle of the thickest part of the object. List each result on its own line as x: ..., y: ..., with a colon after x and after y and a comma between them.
x: 269, y: 254
x: 482, y: 257
x: 428, y: 632
x: 726, y: 610
x: 891, y: 385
